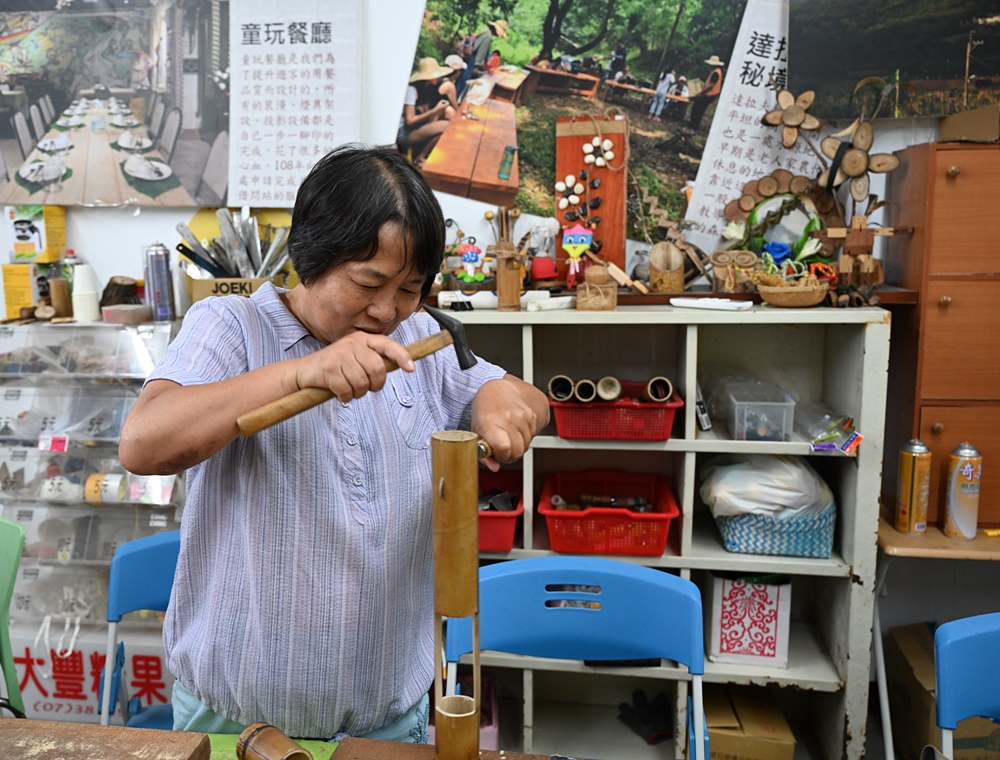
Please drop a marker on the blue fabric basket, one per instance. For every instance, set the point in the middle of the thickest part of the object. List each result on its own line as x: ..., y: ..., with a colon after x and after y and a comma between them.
x: 809, y: 536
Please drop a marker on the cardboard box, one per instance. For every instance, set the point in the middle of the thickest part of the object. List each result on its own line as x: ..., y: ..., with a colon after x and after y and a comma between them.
x: 747, y: 618
x: 909, y: 665
x: 744, y: 722
x: 38, y: 233
x: 20, y: 287
x: 979, y: 125
x: 225, y: 286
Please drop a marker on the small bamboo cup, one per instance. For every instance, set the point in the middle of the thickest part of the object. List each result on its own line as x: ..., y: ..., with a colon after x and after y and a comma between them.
x: 659, y: 389
x: 262, y: 741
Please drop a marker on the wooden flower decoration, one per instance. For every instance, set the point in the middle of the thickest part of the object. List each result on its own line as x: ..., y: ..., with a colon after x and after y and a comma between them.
x: 570, y: 190
x: 852, y: 161
x: 598, y: 152
x: 791, y: 116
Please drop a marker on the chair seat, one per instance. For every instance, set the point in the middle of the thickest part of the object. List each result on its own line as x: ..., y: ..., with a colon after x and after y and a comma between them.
x: 155, y: 716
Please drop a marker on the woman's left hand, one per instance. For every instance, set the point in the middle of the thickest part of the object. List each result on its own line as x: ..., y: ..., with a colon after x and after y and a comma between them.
x: 507, y: 413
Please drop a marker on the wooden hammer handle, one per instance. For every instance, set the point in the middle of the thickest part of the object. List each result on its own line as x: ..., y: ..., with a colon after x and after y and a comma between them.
x: 299, y: 401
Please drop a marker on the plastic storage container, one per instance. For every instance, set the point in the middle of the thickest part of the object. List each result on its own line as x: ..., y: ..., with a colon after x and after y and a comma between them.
x: 625, y: 419
x: 608, y: 530
x: 759, y: 412
x: 496, y: 529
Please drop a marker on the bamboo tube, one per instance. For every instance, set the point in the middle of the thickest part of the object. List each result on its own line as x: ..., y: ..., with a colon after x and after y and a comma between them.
x: 609, y: 388
x: 262, y: 741
x: 454, y: 468
x: 658, y: 389
x: 561, y: 388
x: 585, y: 390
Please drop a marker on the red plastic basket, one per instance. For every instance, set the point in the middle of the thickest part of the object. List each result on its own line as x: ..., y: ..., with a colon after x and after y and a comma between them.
x: 496, y: 529
x: 625, y: 419
x: 604, y: 530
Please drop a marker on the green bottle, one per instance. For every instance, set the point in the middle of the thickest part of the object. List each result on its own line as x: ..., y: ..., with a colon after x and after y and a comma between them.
x: 507, y: 162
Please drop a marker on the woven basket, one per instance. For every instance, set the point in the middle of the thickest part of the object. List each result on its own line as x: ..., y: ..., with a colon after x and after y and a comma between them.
x: 810, y: 536
x: 794, y: 296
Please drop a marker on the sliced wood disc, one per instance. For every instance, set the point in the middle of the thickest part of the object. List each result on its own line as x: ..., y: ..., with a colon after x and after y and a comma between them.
x: 773, y: 117
x: 732, y: 209
x: 785, y: 99
x: 883, y: 162
x: 855, y: 162
x: 788, y: 136
x: 784, y: 178
x: 793, y: 115
x: 750, y: 188
x: 798, y: 184
x: 860, y: 187
x: 864, y: 136
x: 824, y: 202
x: 747, y: 203
x: 806, y: 98
x: 829, y: 146
x: 767, y: 186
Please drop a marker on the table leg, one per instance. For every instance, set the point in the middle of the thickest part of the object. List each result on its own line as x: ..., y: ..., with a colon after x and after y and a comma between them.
x: 880, y: 678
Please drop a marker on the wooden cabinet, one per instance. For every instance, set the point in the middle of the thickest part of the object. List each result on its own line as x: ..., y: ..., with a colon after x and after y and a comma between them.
x: 944, y: 383
x: 839, y: 356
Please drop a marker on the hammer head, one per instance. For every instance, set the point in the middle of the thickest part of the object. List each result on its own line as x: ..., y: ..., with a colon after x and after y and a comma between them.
x: 466, y: 359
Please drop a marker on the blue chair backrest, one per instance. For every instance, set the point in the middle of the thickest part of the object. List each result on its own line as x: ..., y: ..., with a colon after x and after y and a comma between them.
x: 142, y: 574
x: 967, y: 669
x: 584, y: 608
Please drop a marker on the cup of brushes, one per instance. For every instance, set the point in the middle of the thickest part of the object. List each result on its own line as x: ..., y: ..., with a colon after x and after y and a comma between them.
x: 237, y: 261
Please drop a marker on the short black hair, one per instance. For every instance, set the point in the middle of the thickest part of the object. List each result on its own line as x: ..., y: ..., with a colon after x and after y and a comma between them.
x: 345, y: 201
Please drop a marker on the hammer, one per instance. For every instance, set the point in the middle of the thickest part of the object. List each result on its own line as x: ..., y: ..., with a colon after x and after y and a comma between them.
x: 452, y: 333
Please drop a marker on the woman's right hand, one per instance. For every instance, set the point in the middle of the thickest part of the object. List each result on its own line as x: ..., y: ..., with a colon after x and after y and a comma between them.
x: 352, y: 366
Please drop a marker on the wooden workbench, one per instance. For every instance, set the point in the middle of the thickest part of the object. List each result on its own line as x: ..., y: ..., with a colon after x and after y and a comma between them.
x: 466, y: 160
x: 507, y: 85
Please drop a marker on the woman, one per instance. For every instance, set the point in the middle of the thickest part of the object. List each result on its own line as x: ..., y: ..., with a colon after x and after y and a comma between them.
x: 303, y: 595
x: 430, y: 105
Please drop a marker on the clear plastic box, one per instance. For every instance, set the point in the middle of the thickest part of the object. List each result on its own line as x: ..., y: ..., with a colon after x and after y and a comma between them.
x: 759, y: 412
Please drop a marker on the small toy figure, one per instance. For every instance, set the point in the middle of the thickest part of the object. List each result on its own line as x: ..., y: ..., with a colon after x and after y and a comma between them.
x: 576, y: 241
x: 471, y: 258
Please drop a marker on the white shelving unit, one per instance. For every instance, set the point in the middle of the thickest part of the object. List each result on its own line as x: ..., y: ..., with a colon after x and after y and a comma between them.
x: 839, y: 356
x: 64, y: 393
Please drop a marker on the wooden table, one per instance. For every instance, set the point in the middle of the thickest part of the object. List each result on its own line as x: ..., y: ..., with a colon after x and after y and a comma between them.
x: 612, y: 88
x: 554, y: 80
x: 97, y: 178
x: 53, y: 740
x: 508, y: 85
x: 931, y: 545
x: 370, y: 749
x: 466, y: 159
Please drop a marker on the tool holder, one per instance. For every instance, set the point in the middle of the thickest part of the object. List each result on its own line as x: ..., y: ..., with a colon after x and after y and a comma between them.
x: 455, y: 482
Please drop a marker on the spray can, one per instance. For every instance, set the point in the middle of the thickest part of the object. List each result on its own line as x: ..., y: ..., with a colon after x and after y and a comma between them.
x: 965, y: 473
x: 507, y: 162
x: 159, y: 282
x: 913, y: 488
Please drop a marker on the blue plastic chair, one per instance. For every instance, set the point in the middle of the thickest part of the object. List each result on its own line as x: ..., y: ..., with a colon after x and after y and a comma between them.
x: 587, y: 608
x: 11, y: 546
x: 142, y: 577
x: 967, y: 671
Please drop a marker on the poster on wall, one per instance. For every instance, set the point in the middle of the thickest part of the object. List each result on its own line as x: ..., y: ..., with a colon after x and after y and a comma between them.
x: 296, y: 84
x: 741, y: 148
x: 489, y: 85
x: 112, y: 104
x: 931, y: 58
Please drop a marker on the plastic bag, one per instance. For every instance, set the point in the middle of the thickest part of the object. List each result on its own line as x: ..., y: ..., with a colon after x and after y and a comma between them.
x: 762, y: 484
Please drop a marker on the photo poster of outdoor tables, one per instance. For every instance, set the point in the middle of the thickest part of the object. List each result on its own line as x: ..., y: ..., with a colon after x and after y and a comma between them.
x: 740, y: 148
x: 296, y: 93
x: 940, y: 57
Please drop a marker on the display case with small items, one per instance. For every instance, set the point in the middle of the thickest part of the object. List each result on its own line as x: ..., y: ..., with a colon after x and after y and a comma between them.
x: 64, y: 393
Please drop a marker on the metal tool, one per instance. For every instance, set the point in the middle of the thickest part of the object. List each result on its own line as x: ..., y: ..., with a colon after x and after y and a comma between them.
x: 452, y: 333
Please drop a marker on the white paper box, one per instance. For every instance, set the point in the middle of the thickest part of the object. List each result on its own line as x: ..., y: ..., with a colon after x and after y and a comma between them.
x: 748, y: 620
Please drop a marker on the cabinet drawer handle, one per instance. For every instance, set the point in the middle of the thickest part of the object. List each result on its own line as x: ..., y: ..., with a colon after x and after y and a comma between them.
x: 937, y: 428
x: 945, y: 301
x: 954, y: 171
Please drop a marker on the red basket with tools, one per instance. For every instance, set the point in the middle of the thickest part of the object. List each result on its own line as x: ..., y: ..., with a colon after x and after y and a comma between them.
x: 627, y: 419
x: 607, y: 512
x: 496, y: 526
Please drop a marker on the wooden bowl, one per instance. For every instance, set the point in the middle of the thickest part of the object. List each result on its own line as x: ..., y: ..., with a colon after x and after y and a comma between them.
x: 794, y: 297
